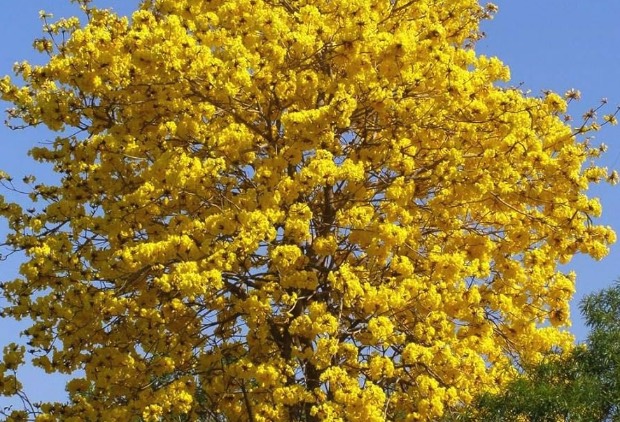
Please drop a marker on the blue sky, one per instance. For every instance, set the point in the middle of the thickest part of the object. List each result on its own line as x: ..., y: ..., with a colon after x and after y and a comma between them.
x: 551, y: 44
x: 559, y: 45
x: 19, y: 26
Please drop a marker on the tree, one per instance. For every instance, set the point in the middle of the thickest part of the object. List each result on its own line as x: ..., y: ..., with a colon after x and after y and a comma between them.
x: 275, y: 210
x: 580, y: 386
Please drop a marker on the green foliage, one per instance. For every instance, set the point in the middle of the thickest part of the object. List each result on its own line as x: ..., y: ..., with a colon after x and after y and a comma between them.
x: 581, y: 386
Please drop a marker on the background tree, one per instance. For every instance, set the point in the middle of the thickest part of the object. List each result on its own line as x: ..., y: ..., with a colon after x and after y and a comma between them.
x: 581, y: 386
x: 273, y: 210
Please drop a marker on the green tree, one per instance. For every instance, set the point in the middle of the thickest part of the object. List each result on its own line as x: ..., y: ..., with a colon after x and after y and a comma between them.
x: 583, y: 385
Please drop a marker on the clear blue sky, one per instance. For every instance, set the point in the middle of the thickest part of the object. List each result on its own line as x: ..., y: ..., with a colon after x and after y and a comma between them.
x: 551, y: 44
x: 559, y: 45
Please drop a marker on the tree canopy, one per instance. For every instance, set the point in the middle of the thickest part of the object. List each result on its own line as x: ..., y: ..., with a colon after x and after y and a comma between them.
x: 290, y: 210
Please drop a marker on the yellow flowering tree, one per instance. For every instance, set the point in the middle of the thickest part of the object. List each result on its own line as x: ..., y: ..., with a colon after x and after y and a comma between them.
x: 275, y: 210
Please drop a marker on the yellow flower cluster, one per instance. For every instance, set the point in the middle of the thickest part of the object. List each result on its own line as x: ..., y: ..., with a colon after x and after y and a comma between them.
x: 290, y: 210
